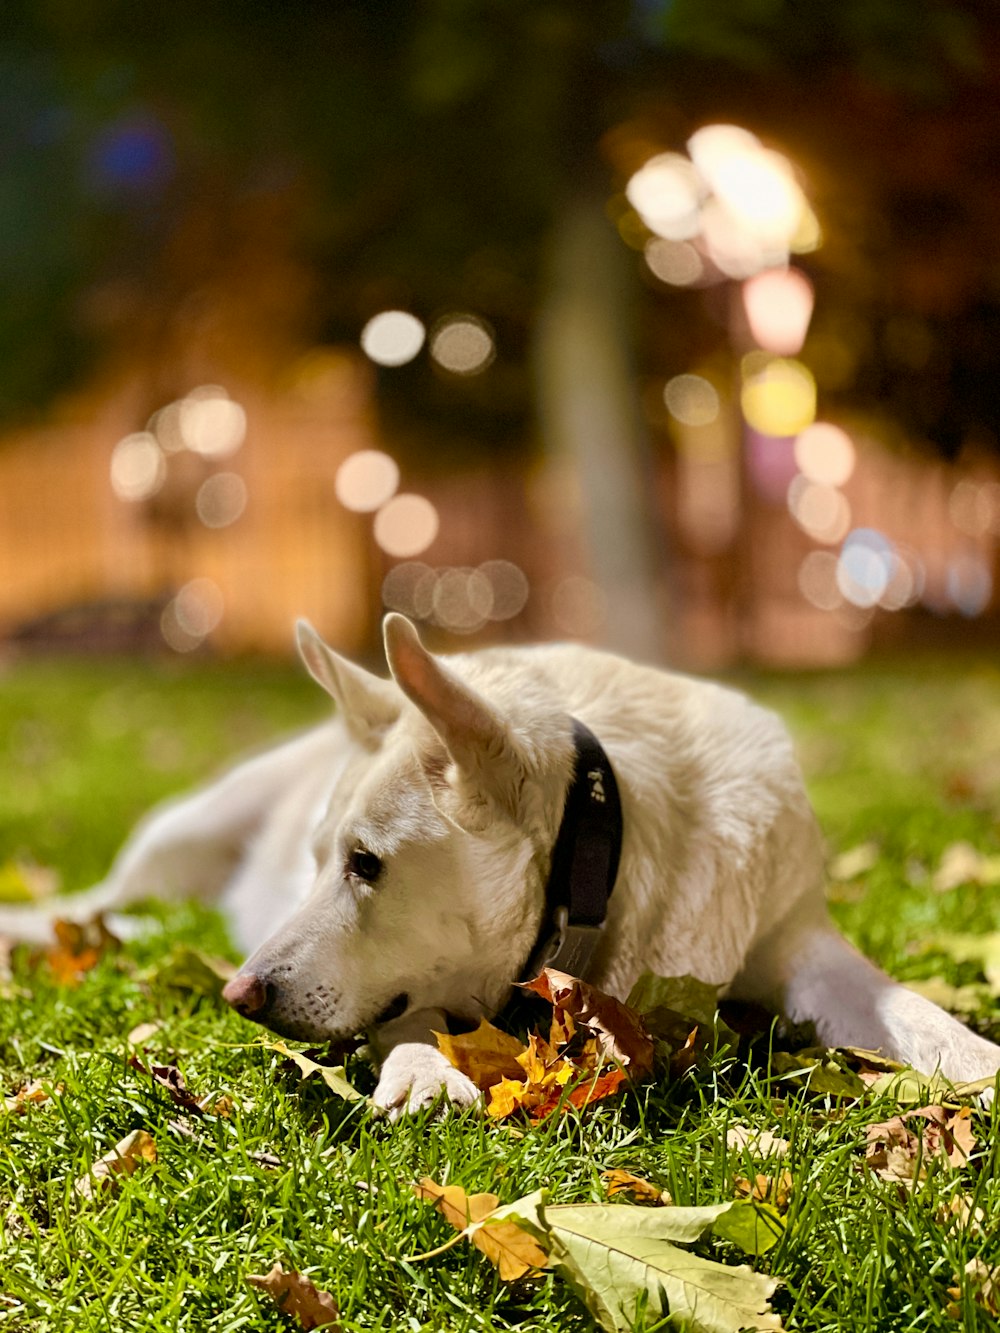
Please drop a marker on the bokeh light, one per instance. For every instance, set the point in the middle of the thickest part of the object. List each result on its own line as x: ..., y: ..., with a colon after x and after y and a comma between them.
x: 675, y: 262
x: 191, y: 616
x: 825, y: 454
x: 817, y: 579
x: 779, y: 305
x: 866, y: 566
x: 969, y: 583
x: 392, y: 338
x: 409, y: 588
x: 756, y: 185
x: 692, y: 399
x: 138, y: 468
x: 462, y: 344
x: 366, y: 480
x: 463, y: 600
x: 780, y: 399
x: 820, y: 511
x: 974, y: 507
x: 510, y: 588
x: 221, y: 499
x: 406, y: 525
x: 210, y: 423
x: 665, y: 192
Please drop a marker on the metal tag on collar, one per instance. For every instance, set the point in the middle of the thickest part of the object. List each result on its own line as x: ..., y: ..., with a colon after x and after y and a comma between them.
x: 570, y: 948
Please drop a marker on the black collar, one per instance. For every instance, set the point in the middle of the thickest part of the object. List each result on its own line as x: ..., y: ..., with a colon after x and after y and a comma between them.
x: 584, y: 862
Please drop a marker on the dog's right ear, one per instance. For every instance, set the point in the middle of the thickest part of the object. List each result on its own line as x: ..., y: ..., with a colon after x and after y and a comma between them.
x: 367, y: 703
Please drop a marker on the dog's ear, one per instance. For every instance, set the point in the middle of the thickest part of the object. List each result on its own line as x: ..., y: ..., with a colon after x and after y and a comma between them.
x: 490, y: 771
x: 367, y: 704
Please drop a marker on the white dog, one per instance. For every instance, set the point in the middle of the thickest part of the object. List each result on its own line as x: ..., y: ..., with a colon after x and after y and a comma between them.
x: 397, y: 864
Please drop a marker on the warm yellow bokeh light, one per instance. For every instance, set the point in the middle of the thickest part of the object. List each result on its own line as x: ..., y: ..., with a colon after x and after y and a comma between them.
x: 780, y: 400
x: 366, y: 480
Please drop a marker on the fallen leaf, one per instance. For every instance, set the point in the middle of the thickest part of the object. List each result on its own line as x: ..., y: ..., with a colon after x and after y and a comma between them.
x: 624, y: 1182
x: 170, y: 1078
x: 901, y: 1149
x: 332, y: 1075
x: 508, y: 1247
x: 775, y: 1190
x: 35, y: 1094
x: 961, y: 864
x: 485, y: 1055
x: 122, y: 1160
x: 983, y: 1282
x: 143, y: 1032
x: 551, y: 1081
x: 818, y: 1070
x: 78, y: 949
x: 617, y: 1256
x: 620, y: 1031
x: 758, y: 1142
x: 962, y: 1000
x: 854, y: 862
x: 961, y: 1212
x: 297, y: 1297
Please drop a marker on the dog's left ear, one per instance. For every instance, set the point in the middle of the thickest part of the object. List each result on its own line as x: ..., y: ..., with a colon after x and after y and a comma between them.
x: 490, y: 770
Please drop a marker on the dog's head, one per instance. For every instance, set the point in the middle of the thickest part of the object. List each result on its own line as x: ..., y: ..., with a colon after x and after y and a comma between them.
x: 431, y: 852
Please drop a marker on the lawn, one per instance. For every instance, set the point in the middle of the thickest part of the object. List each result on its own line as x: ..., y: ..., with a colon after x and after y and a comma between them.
x: 902, y: 762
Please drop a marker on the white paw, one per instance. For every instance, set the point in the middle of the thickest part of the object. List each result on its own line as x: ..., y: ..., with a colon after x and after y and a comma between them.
x: 414, y: 1075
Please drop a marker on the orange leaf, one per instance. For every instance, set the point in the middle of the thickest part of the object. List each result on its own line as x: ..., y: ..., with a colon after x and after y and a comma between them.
x: 624, y: 1182
x: 296, y: 1296
x: 510, y: 1249
x: 122, y: 1160
x: 620, y: 1031
x: 78, y: 949
x: 485, y: 1055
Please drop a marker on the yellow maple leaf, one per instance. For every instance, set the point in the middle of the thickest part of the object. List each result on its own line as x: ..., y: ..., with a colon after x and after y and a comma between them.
x: 485, y: 1055
x: 508, y: 1247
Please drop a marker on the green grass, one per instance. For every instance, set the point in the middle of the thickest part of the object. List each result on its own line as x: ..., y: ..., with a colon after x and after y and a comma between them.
x: 907, y: 757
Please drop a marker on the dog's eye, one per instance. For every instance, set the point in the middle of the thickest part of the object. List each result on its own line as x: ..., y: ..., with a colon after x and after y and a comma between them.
x: 364, y: 865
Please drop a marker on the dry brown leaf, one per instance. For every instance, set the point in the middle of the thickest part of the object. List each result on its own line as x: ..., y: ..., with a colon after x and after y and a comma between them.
x: 961, y: 1212
x: 897, y: 1152
x: 297, y: 1297
x: 984, y: 1281
x: 507, y: 1246
x: 775, y: 1190
x: 758, y: 1142
x: 644, y: 1191
x: 33, y: 1095
x: 485, y: 1055
x: 621, y: 1034
x: 129, y: 1153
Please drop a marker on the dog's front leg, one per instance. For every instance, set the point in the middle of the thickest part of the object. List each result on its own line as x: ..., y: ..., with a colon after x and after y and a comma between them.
x: 414, y: 1073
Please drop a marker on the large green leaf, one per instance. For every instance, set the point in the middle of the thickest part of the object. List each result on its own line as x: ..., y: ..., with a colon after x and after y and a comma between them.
x: 619, y: 1256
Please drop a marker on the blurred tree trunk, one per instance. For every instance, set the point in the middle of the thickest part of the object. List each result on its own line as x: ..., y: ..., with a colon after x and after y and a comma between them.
x: 591, y: 425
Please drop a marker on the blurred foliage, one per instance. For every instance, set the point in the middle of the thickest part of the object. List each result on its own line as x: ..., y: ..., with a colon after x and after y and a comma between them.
x: 404, y: 154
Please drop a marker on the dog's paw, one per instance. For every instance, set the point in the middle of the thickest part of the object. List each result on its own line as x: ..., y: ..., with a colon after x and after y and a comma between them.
x: 414, y: 1076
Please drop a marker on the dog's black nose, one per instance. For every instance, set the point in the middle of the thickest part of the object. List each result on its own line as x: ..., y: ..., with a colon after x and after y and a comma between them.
x: 248, y: 994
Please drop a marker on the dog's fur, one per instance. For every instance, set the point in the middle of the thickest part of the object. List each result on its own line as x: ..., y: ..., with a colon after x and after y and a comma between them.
x: 454, y: 775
